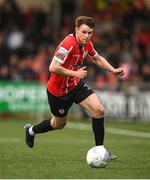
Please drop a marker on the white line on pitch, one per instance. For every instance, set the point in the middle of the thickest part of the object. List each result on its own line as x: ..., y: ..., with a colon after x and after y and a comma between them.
x: 87, y: 127
x: 119, y: 131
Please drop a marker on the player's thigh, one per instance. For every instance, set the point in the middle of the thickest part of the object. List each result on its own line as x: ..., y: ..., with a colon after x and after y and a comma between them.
x: 93, y: 105
x: 58, y: 122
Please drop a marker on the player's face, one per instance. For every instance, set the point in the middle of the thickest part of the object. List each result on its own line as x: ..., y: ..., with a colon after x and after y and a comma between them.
x: 83, y: 34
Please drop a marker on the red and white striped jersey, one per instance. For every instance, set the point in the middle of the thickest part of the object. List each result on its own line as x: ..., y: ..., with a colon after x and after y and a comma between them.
x: 71, y: 56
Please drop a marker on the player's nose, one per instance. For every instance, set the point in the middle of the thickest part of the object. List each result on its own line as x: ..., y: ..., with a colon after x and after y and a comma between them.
x: 86, y: 35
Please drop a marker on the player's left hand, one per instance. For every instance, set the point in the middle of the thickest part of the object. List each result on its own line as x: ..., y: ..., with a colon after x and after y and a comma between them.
x: 119, y: 71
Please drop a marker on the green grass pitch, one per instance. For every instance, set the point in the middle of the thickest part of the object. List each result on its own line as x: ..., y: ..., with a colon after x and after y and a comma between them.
x: 61, y: 154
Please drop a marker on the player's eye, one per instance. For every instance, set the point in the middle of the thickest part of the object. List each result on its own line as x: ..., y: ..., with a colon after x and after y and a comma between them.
x: 84, y: 32
x: 89, y: 33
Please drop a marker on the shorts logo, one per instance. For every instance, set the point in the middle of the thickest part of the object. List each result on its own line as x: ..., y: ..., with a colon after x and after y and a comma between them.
x: 61, y: 111
x: 86, y: 86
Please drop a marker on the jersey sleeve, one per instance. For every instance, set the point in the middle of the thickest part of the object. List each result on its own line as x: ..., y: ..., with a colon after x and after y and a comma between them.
x: 91, y: 50
x: 64, y: 49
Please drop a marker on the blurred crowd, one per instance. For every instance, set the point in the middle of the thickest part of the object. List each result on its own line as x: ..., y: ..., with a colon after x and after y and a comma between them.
x: 122, y: 35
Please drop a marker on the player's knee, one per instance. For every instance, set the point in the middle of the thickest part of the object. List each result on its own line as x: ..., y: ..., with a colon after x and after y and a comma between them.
x: 61, y: 126
x: 99, y: 112
x: 58, y: 123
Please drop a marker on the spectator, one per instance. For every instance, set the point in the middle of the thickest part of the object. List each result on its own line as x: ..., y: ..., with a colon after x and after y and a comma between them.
x: 122, y: 36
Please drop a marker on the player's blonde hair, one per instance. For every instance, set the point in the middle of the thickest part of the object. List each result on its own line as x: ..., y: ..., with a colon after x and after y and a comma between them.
x: 89, y: 21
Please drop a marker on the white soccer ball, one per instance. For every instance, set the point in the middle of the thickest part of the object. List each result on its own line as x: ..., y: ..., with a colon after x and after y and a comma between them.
x: 97, y: 157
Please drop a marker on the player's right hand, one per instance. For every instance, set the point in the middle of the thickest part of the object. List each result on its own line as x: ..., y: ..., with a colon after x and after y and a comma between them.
x: 81, y: 73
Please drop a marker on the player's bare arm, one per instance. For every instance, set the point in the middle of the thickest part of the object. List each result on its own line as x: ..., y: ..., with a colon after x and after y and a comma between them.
x: 103, y: 63
x: 56, y: 67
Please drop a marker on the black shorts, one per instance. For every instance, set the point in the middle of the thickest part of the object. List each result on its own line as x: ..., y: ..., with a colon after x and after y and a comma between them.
x: 60, y: 105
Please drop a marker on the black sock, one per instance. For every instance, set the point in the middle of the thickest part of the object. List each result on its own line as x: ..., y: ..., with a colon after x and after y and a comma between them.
x: 42, y: 127
x: 98, y: 129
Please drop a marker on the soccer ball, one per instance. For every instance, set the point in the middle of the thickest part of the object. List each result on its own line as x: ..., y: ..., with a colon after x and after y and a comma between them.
x: 97, y: 157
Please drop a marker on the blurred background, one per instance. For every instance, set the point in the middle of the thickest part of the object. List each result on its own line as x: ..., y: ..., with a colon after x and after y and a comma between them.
x: 30, y: 31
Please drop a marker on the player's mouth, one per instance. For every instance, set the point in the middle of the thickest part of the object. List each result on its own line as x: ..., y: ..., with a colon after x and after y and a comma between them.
x: 85, y: 40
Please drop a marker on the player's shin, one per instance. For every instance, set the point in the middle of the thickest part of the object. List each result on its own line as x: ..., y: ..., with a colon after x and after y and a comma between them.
x: 98, y: 129
x: 42, y: 127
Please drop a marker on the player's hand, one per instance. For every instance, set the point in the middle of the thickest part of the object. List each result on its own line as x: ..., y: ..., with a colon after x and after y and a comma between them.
x: 119, y: 71
x: 81, y: 73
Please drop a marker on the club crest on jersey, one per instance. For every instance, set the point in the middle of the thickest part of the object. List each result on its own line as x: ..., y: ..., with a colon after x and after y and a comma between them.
x: 61, y: 111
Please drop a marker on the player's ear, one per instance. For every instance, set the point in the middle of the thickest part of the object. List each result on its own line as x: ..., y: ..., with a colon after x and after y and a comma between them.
x: 76, y: 29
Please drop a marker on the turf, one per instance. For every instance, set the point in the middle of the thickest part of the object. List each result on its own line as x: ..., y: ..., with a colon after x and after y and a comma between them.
x: 61, y: 154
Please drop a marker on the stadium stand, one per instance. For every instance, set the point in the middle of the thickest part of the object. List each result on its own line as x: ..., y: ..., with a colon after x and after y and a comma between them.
x: 28, y: 39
